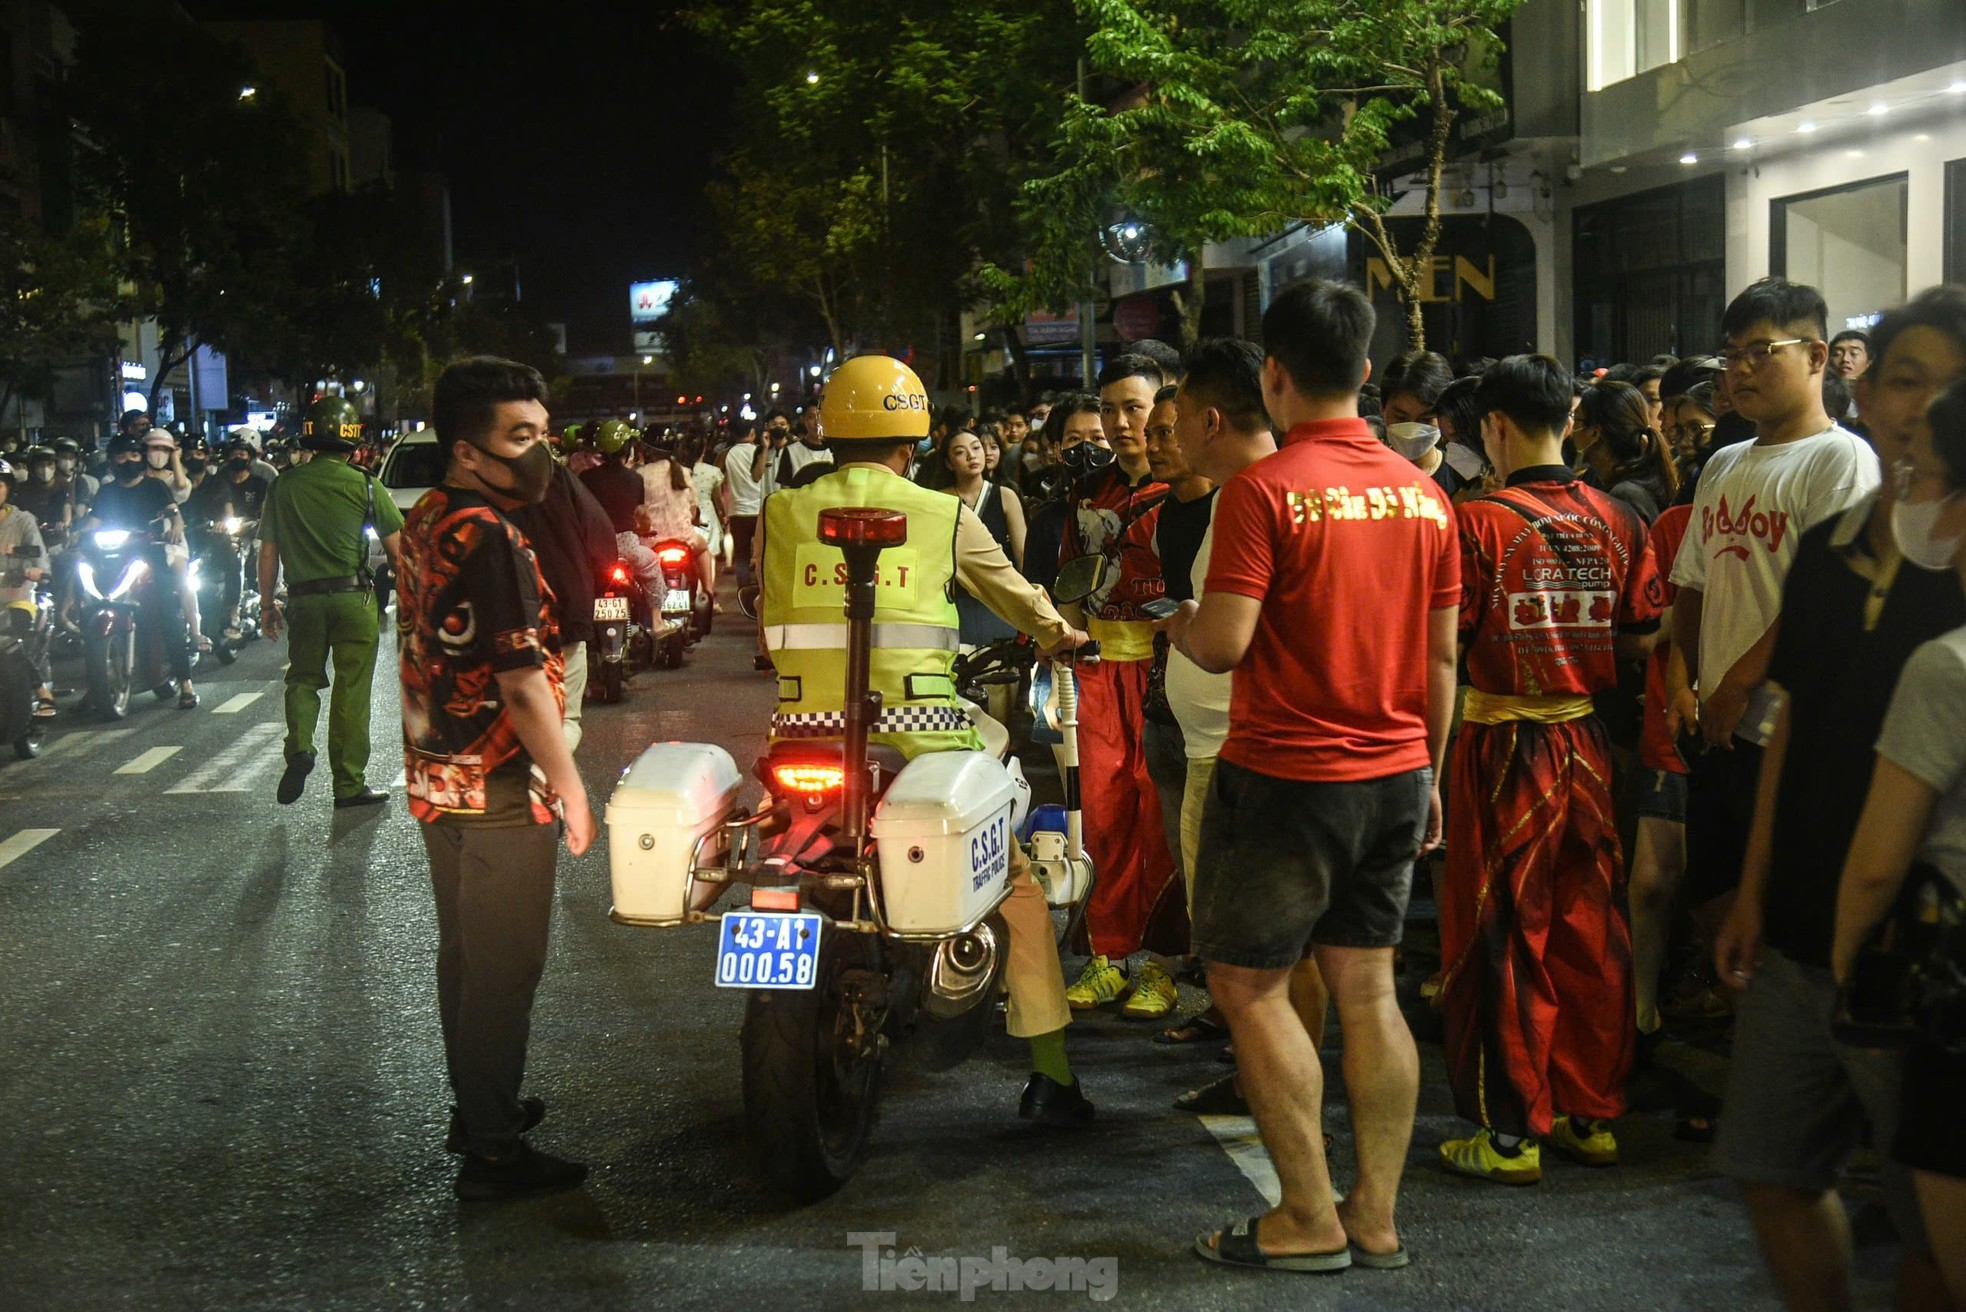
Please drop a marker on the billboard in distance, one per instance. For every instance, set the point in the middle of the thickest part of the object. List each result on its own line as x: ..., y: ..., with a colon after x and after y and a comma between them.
x: 649, y: 301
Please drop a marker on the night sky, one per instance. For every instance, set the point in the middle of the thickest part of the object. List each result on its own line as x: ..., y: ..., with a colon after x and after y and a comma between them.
x: 577, y: 136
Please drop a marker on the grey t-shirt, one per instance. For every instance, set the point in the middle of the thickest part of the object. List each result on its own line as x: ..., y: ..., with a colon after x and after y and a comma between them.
x: 1925, y: 735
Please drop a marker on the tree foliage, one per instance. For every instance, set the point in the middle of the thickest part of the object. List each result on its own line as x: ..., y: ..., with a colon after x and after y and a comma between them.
x: 1247, y: 117
x: 59, y: 296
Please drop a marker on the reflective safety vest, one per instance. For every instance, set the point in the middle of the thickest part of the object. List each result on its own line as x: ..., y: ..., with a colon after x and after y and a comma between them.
x: 915, y: 622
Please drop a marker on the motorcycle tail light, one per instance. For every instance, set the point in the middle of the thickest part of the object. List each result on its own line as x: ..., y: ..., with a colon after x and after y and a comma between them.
x: 809, y: 778
x: 775, y: 899
x: 619, y: 575
x: 672, y: 555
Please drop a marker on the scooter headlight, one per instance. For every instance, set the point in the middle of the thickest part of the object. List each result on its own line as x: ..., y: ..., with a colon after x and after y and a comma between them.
x: 111, y: 539
x: 232, y: 524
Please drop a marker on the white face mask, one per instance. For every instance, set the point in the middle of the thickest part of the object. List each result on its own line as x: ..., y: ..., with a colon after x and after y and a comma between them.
x: 1412, y: 440
x: 1912, y: 523
x: 159, y: 459
x: 66, y: 465
x: 1465, y: 460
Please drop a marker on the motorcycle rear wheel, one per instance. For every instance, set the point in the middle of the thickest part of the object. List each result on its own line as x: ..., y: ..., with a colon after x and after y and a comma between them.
x: 809, y: 1091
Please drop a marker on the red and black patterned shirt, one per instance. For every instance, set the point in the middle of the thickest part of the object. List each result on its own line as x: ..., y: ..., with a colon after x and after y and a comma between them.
x: 471, y: 603
x: 1107, y: 514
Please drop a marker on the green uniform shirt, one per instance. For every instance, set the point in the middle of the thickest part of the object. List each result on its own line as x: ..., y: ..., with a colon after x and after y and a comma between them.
x: 314, y: 514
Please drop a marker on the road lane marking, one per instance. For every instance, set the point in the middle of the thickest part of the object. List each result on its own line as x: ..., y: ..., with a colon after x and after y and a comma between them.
x: 149, y: 761
x: 402, y: 778
x: 23, y: 843
x: 74, y: 740
x: 243, y: 779
x: 234, y: 705
x: 254, y: 739
x: 1238, y: 1137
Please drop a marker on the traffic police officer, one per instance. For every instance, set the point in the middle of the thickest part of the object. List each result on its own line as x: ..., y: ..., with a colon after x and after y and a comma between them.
x: 315, y: 527
x: 873, y: 414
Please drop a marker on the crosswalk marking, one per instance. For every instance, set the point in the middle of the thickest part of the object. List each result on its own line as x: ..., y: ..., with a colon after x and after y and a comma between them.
x: 248, y: 774
x: 74, y: 741
x: 233, y: 705
x: 252, y: 742
x: 402, y: 778
x: 149, y: 761
x: 1238, y: 1137
x: 24, y: 842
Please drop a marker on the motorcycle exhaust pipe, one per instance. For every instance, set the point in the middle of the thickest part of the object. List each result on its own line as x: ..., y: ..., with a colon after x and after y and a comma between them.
x: 962, y: 972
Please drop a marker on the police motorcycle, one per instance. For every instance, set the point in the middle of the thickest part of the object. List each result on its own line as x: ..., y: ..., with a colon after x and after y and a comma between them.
x: 127, y: 614
x: 876, y: 883
x: 24, y: 638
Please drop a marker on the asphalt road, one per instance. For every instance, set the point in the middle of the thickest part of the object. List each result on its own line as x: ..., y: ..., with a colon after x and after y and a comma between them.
x: 223, y: 1086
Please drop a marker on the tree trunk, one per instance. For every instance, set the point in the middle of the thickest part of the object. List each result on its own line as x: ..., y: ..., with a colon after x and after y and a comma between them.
x: 1420, y: 265
x: 1192, y: 300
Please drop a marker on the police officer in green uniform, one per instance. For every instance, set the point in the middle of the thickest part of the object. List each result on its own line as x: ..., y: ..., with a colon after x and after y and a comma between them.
x: 314, y: 527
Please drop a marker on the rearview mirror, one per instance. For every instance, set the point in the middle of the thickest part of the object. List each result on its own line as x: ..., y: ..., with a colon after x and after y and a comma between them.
x: 1078, y: 578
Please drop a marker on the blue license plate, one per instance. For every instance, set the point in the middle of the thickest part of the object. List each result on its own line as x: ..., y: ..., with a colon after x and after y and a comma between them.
x: 764, y: 951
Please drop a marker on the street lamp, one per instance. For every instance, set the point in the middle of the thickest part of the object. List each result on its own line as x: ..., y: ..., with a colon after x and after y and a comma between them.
x: 466, y: 280
x: 248, y: 91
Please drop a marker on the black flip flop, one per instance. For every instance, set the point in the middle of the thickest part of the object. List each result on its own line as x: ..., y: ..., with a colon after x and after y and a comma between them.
x: 1196, y: 1029
x: 1220, y: 1098
x: 1237, y: 1246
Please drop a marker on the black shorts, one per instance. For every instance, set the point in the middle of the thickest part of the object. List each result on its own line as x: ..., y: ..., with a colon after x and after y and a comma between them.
x: 1284, y: 863
x: 1929, y: 1134
x: 1720, y: 792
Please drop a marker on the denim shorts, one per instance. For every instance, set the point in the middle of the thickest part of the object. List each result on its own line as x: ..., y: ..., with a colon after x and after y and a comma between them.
x: 1283, y: 863
x: 1662, y: 795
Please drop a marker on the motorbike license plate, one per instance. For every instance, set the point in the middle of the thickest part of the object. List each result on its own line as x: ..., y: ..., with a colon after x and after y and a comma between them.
x: 677, y: 600
x: 768, y: 951
x: 610, y: 608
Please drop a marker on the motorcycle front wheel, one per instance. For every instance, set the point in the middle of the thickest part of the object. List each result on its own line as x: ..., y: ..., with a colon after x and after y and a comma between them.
x: 109, y: 660
x: 812, y: 1066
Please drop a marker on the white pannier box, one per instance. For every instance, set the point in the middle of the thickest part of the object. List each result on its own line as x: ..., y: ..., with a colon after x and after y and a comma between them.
x: 943, y: 833
x: 668, y: 798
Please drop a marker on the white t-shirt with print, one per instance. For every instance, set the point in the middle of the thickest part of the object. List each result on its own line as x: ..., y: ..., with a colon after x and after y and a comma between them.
x: 1754, y: 504
x: 1199, y: 700
x: 747, y: 494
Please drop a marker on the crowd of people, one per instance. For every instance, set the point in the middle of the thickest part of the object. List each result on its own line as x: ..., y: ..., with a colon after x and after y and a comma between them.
x: 1660, y: 609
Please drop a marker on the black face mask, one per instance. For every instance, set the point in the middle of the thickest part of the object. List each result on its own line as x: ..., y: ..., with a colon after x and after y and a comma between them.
x: 532, y: 473
x: 128, y: 470
x: 1086, y: 457
x: 236, y: 463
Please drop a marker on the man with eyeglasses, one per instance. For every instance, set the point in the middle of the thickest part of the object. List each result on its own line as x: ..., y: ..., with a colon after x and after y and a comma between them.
x: 1755, y: 501
x: 1798, y: 1100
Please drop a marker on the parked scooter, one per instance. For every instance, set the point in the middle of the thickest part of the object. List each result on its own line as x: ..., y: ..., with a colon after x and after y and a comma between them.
x: 24, y: 637
x: 126, y: 615
x: 685, y: 611
x: 875, y: 889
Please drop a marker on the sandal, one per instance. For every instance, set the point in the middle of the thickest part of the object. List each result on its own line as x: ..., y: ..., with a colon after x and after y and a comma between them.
x: 44, y: 707
x: 1237, y: 1246
x: 187, y: 700
x: 1219, y: 1098
x: 1199, y: 1028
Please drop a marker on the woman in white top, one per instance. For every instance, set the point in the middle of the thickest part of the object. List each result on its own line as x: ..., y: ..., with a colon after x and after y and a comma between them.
x: 668, y: 511
x: 709, y: 482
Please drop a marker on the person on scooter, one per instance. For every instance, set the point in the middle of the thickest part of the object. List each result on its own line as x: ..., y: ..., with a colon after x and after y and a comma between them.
x: 129, y: 500
x: 874, y: 412
x: 620, y: 490
x: 234, y: 492
x: 45, y: 495
x: 669, y: 512
x: 20, y: 532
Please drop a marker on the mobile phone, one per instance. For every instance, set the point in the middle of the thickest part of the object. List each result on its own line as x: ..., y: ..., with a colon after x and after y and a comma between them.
x: 1160, y: 608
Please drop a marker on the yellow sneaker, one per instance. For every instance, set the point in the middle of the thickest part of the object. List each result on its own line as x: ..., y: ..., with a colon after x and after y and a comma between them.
x: 1598, y: 1148
x: 1154, y: 993
x: 1099, y: 983
x: 1477, y: 1156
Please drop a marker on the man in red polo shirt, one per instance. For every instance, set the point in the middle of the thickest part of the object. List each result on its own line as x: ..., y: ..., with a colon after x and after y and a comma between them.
x: 1332, y: 593
x: 1558, y: 586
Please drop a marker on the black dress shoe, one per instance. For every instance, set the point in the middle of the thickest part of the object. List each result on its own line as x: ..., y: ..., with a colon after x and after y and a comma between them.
x: 455, y: 1142
x: 299, y: 766
x: 525, y: 1171
x: 1046, y: 1100
x: 367, y: 797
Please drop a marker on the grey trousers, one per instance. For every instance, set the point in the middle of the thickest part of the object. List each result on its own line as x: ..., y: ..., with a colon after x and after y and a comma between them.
x: 494, y: 889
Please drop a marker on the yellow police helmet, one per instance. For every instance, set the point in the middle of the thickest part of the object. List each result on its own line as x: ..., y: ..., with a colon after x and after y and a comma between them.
x: 874, y: 398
